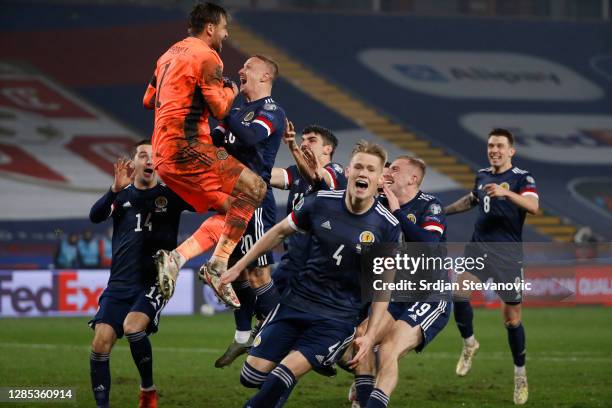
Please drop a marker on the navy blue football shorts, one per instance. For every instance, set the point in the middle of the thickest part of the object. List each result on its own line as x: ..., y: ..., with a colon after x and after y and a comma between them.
x: 321, y: 340
x: 431, y: 316
x: 263, y: 219
x: 115, y: 304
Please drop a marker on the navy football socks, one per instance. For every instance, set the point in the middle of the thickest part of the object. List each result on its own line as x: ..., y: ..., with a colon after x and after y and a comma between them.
x: 140, y: 346
x: 99, y: 366
x: 516, y: 339
x: 464, y: 315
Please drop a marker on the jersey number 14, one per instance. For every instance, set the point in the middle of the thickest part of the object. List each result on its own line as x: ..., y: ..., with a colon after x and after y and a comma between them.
x: 147, y: 222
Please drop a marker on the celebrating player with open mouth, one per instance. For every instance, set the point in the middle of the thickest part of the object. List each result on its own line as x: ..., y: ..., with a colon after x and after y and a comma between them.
x: 317, y: 315
x: 504, y: 195
x: 186, y: 88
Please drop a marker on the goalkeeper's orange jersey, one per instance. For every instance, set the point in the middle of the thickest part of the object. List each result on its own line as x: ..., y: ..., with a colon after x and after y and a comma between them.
x: 186, y: 87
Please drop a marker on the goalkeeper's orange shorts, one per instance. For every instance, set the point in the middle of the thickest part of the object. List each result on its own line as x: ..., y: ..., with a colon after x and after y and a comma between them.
x: 200, y: 173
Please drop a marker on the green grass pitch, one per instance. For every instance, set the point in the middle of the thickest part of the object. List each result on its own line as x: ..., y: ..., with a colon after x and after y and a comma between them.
x: 569, y: 364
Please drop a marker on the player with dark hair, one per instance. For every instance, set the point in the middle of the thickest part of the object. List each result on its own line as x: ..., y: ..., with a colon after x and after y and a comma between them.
x: 312, y: 158
x: 318, y: 313
x: 504, y: 195
x: 187, y: 87
x: 146, y: 217
x: 314, y: 170
x: 407, y: 325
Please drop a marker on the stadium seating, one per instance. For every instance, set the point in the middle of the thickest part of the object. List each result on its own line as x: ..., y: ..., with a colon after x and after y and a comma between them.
x: 398, y: 89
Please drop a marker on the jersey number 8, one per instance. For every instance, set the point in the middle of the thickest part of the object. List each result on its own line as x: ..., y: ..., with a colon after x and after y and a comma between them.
x: 486, y: 204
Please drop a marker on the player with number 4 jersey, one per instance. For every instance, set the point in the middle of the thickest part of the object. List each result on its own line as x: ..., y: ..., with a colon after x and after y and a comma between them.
x: 318, y: 313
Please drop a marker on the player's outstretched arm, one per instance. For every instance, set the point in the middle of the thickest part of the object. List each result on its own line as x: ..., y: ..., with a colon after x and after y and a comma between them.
x: 278, y: 178
x: 247, y: 135
x: 465, y: 203
x: 270, y: 239
x: 305, y: 160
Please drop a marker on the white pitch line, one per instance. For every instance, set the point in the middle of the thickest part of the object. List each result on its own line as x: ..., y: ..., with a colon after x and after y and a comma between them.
x: 552, y: 356
x: 531, y: 357
x: 75, y: 346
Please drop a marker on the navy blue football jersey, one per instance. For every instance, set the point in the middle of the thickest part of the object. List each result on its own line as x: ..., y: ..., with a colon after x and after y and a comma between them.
x: 328, y: 284
x: 499, y: 220
x: 252, y: 134
x: 425, y: 211
x: 298, y: 188
x: 144, y: 221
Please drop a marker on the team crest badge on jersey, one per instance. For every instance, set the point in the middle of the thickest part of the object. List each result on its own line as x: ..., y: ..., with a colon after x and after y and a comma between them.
x: 249, y: 116
x: 161, y: 203
x: 269, y: 107
x: 411, y: 218
x: 366, y: 237
x: 222, y: 154
x: 505, y: 186
x: 257, y: 341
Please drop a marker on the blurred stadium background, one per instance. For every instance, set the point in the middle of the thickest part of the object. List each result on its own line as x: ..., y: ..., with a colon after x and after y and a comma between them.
x: 429, y: 78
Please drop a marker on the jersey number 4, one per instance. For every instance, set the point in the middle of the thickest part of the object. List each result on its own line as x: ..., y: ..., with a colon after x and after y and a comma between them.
x: 337, y: 255
x: 147, y: 223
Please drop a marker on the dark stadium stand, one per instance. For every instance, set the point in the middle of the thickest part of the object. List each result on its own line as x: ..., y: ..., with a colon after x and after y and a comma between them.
x: 361, y: 83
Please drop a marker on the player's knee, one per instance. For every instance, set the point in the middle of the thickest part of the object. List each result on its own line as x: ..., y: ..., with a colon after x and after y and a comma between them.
x: 132, y: 327
x: 251, y: 377
x: 259, y: 276
x: 102, y: 344
x: 388, y: 352
x: 511, y: 321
